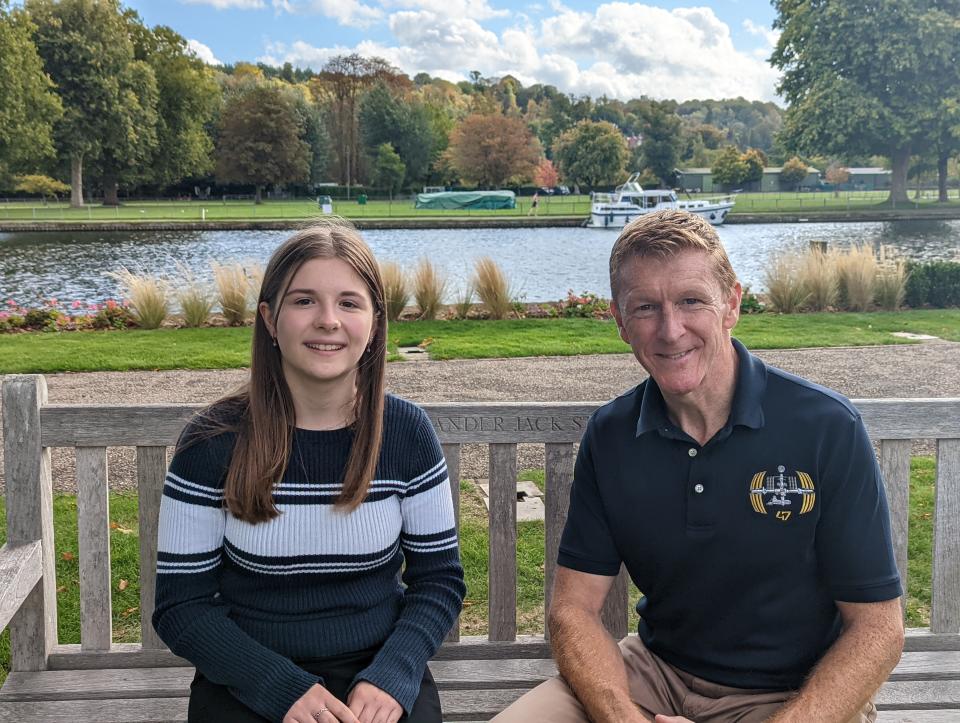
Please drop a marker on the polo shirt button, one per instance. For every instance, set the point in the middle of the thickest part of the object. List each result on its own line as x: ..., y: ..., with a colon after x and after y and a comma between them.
x: 698, y: 488
x: 692, y: 452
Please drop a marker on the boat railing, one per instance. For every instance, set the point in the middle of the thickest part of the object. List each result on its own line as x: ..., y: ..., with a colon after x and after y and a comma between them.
x: 603, y: 197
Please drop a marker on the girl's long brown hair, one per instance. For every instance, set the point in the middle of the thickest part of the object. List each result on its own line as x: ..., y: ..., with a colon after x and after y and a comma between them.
x: 264, y: 405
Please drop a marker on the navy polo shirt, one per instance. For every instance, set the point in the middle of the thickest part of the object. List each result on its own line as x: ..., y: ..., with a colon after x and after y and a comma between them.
x: 742, y: 545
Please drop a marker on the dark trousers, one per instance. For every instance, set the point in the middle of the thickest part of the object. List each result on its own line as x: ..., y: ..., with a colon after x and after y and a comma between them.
x: 212, y: 703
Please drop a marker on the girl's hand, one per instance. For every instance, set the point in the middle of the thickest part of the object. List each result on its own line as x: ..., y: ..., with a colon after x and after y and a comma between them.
x: 319, y: 705
x: 671, y: 719
x: 372, y: 705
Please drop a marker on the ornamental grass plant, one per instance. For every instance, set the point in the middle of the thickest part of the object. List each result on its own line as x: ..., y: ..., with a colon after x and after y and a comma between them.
x: 818, y: 274
x: 786, y: 292
x: 891, y: 281
x: 857, y: 274
x: 491, y: 285
x: 395, y: 289
x: 148, y: 297
x: 463, y: 302
x: 429, y: 286
x: 195, y: 298
x: 232, y: 292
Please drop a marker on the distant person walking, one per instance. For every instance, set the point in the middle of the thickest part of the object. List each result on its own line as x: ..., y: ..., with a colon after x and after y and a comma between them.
x: 534, y: 202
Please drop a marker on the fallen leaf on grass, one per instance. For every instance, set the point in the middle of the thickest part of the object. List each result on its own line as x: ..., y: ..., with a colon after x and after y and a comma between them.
x: 123, y: 585
x: 129, y: 611
x: 121, y: 530
x: 62, y: 588
x: 68, y: 556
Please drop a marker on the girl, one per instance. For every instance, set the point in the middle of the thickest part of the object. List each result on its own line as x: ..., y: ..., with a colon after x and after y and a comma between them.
x: 291, y: 505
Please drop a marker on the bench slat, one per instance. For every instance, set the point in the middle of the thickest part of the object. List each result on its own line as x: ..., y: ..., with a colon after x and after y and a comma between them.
x: 125, y: 710
x: 895, y: 465
x: 93, y: 524
x: 502, y: 566
x: 558, y: 479
x: 945, y: 602
x: 917, y: 716
x: 451, y: 453
x: 151, y: 470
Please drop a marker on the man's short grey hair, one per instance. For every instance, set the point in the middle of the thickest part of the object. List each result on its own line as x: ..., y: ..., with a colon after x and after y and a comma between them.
x: 663, y: 234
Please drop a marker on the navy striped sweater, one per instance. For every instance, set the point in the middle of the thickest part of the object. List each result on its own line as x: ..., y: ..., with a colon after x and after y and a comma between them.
x: 242, y: 602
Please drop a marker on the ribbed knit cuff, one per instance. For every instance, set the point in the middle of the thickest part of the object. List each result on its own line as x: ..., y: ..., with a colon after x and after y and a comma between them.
x: 276, y: 692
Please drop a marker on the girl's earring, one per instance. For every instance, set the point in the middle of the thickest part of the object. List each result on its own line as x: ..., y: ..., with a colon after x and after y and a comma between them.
x: 274, y: 342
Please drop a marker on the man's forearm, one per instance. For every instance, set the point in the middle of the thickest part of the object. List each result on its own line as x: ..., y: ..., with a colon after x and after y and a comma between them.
x: 851, y: 671
x: 591, y: 663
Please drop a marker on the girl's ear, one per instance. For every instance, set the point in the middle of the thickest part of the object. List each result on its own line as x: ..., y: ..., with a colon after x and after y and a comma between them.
x: 264, y: 310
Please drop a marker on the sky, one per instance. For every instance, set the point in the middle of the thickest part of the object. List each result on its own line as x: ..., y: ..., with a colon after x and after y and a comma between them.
x: 661, y: 48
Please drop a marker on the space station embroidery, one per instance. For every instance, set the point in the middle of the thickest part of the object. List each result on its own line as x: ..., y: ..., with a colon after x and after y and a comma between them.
x: 783, y: 494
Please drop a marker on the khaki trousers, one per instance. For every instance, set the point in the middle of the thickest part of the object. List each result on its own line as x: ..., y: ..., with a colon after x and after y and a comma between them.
x: 658, y: 687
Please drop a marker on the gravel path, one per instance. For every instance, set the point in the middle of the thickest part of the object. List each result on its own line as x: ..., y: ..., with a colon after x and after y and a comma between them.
x: 924, y: 370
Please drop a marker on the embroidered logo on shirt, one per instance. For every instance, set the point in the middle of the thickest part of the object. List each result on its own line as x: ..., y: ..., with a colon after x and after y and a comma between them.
x: 785, y: 493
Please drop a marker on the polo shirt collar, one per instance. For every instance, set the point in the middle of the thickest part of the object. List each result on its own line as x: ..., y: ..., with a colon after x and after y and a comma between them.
x: 747, y: 407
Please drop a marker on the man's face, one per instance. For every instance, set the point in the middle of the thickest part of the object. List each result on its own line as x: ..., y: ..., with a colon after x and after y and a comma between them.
x: 677, y: 319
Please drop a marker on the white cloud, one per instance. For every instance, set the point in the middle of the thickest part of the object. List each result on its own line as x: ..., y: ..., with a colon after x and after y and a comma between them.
x: 619, y: 49
x: 228, y: 4
x: 203, y: 52
x: 768, y: 34
x: 345, y: 12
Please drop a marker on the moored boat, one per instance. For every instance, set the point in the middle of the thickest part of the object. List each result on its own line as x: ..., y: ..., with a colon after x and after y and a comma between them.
x: 617, y: 209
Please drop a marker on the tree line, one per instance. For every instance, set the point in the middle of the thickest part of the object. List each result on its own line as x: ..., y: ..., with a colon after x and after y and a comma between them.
x: 89, y: 94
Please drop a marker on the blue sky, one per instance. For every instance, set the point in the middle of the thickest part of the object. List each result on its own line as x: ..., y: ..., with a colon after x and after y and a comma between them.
x: 659, y: 48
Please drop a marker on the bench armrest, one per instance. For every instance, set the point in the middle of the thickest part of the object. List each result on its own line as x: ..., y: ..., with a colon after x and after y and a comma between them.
x: 20, y: 570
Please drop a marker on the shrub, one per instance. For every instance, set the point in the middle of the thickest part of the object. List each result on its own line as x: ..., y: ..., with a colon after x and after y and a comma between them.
x: 232, y: 289
x: 195, y: 298
x: 147, y: 295
x: 818, y: 274
x: 429, y: 286
x: 586, y: 305
x: 395, y: 289
x: 112, y: 316
x: 786, y: 292
x: 857, y: 274
x: 43, y: 319
x: 750, y: 303
x: 936, y: 283
x: 492, y: 287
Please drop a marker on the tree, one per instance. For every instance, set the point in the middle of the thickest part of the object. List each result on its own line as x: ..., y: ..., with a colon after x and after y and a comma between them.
x: 388, y: 169
x: 729, y: 169
x: 106, y: 94
x: 660, y: 127
x: 793, y: 173
x: 187, y: 98
x: 405, y: 124
x: 345, y: 78
x: 591, y: 153
x: 837, y: 175
x: 260, y: 140
x: 42, y: 186
x: 754, y: 162
x: 28, y: 105
x: 492, y: 150
x: 546, y: 175
x: 863, y: 77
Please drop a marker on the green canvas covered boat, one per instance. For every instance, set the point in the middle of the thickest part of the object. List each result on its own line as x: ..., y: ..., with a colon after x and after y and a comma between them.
x: 488, y: 200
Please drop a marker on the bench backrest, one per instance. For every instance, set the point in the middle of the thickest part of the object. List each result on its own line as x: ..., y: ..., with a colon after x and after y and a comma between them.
x: 32, y: 427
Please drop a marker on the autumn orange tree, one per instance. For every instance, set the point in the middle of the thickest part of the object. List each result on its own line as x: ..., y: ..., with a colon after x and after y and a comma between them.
x: 546, y: 174
x: 492, y: 150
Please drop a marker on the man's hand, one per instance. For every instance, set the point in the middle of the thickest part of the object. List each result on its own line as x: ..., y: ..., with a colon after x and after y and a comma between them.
x: 319, y: 705
x: 372, y: 705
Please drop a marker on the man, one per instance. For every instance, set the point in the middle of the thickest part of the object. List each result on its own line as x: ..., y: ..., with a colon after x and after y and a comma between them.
x: 747, y: 506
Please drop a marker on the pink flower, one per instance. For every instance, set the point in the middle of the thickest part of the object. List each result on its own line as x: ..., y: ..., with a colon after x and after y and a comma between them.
x: 111, y: 304
x: 76, y: 304
x: 11, y: 302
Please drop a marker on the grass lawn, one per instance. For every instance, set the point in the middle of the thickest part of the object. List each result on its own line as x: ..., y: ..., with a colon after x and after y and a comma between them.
x: 228, y: 348
x: 578, y: 206
x: 473, y: 544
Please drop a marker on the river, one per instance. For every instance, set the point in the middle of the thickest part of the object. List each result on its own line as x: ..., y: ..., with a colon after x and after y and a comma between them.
x: 542, y: 263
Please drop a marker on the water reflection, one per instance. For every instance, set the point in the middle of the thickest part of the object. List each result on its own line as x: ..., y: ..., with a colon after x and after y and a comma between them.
x: 542, y: 263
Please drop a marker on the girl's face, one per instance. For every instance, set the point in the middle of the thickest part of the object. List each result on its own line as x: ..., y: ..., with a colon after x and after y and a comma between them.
x: 323, y: 325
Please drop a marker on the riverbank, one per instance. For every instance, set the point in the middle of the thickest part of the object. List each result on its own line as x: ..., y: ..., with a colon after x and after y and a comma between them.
x: 951, y: 213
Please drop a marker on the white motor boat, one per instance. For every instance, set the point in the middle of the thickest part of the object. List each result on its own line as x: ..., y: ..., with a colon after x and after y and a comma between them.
x: 617, y: 209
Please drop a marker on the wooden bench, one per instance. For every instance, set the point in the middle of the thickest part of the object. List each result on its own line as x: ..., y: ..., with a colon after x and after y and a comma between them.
x: 99, y: 680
